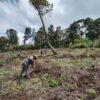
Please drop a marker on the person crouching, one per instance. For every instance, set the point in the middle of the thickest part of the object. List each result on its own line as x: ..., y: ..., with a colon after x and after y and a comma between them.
x: 28, y: 62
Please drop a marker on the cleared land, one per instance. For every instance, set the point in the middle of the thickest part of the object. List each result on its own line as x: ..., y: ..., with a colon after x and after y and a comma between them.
x: 73, y: 74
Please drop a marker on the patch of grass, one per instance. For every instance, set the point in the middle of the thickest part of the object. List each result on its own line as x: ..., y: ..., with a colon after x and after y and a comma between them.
x: 9, y: 87
x: 91, y: 92
x: 72, y: 87
x: 45, y: 77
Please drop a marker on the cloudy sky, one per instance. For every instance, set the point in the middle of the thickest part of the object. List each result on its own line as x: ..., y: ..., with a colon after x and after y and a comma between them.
x: 21, y: 15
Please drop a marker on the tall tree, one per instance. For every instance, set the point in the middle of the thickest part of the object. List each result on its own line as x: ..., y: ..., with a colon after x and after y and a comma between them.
x: 73, y: 32
x: 91, y: 33
x: 97, y: 27
x: 3, y: 42
x: 80, y: 27
x: 51, y: 34
x: 26, y: 34
x: 12, y: 36
x: 40, y: 37
x: 43, y: 7
x: 58, y: 36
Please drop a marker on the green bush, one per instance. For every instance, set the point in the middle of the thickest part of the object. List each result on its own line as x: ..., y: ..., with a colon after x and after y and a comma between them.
x: 53, y: 83
x: 20, y: 47
x: 25, y: 47
x: 91, y: 92
x: 72, y: 87
x: 82, y: 43
x: 4, y: 49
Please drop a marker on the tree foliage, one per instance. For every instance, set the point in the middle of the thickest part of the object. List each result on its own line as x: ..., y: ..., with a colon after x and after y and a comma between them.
x: 82, y: 29
x: 3, y: 42
x: 27, y: 34
x: 73, y: 32
x: 43, y: 6
x: 40, y: 37
x: 12, y: 36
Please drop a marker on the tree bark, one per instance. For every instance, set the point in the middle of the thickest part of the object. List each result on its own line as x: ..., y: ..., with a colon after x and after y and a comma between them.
x: 46, y: 38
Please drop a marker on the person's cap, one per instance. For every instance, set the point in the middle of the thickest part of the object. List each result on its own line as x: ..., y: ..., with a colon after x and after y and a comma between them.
x: 35, y: 57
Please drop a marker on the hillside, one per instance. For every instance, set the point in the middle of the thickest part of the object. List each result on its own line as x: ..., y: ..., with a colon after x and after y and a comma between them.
x: 73, y: 74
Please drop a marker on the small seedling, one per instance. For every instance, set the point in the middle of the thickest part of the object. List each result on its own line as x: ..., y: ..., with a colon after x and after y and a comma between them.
x: 53, y: 83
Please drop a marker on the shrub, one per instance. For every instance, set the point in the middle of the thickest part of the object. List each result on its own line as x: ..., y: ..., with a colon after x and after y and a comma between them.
x: 53, y: 83
x: 82, y: 43
x: 4, y: 50
x: 72, y: 87
x: 25, y: 47
x: 91, y: 92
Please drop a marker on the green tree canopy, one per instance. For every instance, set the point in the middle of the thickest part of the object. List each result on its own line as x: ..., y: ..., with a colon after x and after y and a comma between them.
x: 27, y: 34
x: 40, y: 37
x: 12, y: 36
x: 3, y: 42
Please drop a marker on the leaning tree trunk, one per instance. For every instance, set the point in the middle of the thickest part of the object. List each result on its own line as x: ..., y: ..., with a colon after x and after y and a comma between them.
x: 24, y: 42
x: 46, y: 38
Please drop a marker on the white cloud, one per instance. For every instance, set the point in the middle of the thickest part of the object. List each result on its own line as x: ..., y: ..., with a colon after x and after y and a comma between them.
x: 20, y: 35
x: 19, y: 15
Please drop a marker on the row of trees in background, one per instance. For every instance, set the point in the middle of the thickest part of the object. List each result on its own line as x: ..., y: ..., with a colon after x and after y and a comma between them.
x: 84, y: 32
x: 55, y: 36
x: 11, y: 38
x: 87, y: 30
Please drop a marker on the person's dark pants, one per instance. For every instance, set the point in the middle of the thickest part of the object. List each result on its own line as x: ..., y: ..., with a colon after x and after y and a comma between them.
x: 24, y: 70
